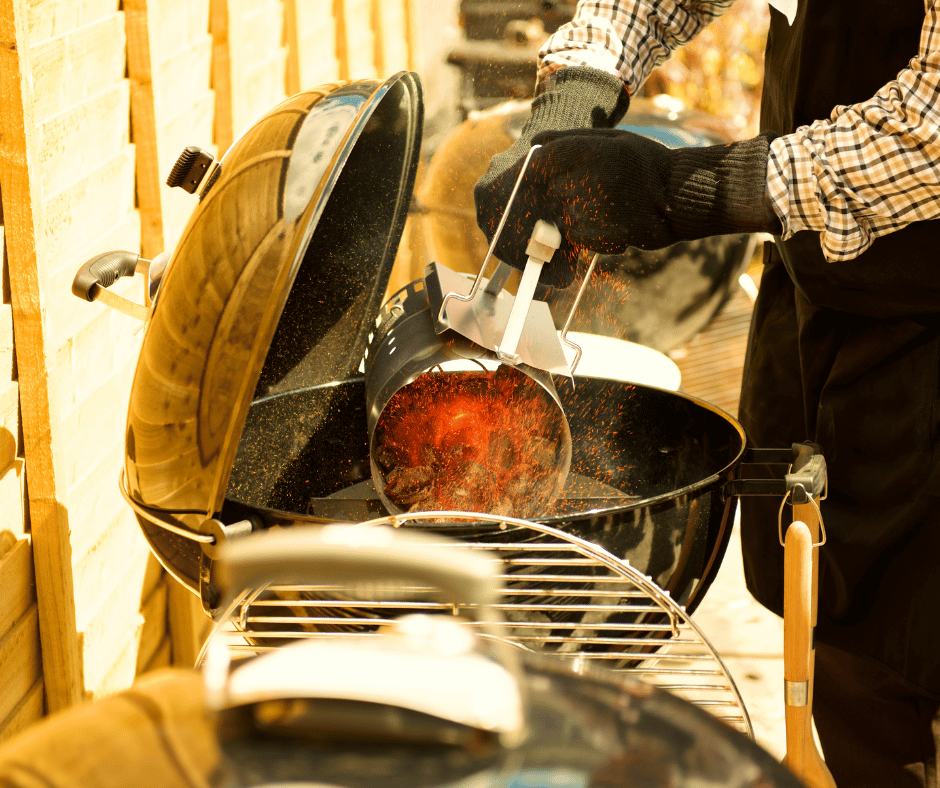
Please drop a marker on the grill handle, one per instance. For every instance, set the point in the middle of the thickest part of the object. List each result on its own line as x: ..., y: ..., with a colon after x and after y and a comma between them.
x: 802, y: 473
x: 93, y: 279
x: 363, y: 555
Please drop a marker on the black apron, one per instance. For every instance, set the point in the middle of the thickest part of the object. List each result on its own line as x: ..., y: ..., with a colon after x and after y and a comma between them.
x: 847, y: 355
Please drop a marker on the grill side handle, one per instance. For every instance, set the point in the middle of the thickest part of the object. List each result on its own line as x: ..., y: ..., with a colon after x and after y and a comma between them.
x: 799, y: 471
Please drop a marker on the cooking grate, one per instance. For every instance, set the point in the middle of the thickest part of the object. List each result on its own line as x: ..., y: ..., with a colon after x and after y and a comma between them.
x: 560, y: 594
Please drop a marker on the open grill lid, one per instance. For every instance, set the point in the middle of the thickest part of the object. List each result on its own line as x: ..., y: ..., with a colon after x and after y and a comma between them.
x: 274, y: 284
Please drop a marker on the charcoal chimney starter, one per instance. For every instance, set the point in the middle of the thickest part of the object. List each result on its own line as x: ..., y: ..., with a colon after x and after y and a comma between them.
x: 450, y: 428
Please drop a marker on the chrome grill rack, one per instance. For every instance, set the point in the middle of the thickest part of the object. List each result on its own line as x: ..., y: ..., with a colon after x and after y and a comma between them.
x: 560, y: 594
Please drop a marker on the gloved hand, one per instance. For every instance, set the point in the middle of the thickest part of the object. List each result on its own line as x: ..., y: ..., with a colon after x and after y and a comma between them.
x: 574, y: 97
x: 608, y: 189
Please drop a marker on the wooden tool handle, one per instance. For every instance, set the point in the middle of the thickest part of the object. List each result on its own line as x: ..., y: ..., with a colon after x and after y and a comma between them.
x: 799, y: 618
x: 797, y: 603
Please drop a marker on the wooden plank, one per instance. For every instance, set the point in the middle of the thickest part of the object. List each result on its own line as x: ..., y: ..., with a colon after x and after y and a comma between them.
x: 74, y: 143
x: 222, y: 83
x: 13, y: 494
x: 112, y: 630
x: 182, y: 81
x: 117, y: 349
x: 154, y: 575
x: 356, y: 39
x: 103, y: 416
x: 412, y: 31
x: 292, y: 38
x: 194, y: 127
x: 311, y: 43
x: 117, y: 556
x: 143, y: 120
x: 72, y: 313
x: 29, y: 710
x: 154, y: 631
x: 189, y: 624
x: 263, y: 87
x: 49, y: 18
x: 6, y: 269
x: 7, y: 357
x: 24, y: 221
x: 177, y: 25
x: 70, y: 68
x: 163, y: 87
x: 391, y: 36
x: 20, y: 662
x: 9, y: 424
x: 162, y: 658
x: 77, y: 217
x: 249, y: 63
x: 95, y: 500
x: 18, y: 584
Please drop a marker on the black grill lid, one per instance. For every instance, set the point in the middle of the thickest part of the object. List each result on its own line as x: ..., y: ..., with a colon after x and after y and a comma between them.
x: 274, y: 284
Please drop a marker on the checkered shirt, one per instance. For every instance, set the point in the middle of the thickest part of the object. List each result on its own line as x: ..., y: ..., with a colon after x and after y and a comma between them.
x: 867, y: 170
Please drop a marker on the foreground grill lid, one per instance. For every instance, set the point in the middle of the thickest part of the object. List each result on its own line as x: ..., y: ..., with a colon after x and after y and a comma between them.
x: 274, y: 284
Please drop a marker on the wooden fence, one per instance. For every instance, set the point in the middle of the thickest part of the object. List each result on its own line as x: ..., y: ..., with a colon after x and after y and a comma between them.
x: 97, y: 99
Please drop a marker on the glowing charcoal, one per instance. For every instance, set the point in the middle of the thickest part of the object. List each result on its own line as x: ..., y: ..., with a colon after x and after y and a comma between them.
x: 471, y: 441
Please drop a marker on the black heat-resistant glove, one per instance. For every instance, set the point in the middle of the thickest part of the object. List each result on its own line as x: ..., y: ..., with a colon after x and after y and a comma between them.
x: 608, y: 189
x: 574, y: 97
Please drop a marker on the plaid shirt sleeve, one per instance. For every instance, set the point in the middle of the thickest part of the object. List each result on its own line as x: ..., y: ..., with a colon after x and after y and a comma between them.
x: 871, y: 168
x: 626, y: 38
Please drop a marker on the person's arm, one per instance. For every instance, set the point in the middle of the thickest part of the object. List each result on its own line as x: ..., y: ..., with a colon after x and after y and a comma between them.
x: 871, y: 168
x: 626, y: 38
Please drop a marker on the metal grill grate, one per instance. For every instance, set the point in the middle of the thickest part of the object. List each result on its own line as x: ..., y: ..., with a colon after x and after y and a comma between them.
x: 561, y: 594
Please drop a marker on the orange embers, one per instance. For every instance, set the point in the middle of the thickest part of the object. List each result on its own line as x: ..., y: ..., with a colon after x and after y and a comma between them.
x: 471, y: 441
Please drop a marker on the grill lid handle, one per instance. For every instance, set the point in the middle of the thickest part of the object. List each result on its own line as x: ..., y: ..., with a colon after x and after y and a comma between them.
x: 93, y: 279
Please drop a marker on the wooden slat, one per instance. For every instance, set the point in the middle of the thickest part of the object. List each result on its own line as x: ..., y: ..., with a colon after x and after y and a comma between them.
x: 249, y: 63
x: 222, y: 80
x: 311, y: 42
x: 162, y: 657
x: 177, y: 25
x: 50, y: 18
x: 140, y: 73
x: 166, y: 87
x: 24, y: 221
x: 182, y: 81
x: 9, y: 423
x: 72, y: 67
x: 29, y: 710
x: 76, y: 142
x: 103, y: 415
x: 392, y: 36
x: 355, y: 32
x: 74, y: 315
x: 20, y: 663
x: 189, y: 625
x: 12, y: 496
x: 154, y: 630
x: 117, y: 557
x: 112, y: 632
x: 76, y: 217
x: 7, y: 363
x: 17, y: 582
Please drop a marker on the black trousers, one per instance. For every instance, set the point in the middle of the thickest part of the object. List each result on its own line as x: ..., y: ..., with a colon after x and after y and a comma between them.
x: 875, y: 732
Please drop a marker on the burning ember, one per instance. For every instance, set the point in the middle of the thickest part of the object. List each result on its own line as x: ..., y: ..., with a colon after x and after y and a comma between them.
x: 471, y: 441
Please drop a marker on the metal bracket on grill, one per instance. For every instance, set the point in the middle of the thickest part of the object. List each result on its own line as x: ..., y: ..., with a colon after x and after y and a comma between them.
x: 222, y: 532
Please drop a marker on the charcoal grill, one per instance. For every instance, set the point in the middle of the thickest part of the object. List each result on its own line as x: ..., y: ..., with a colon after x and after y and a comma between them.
x: 248, y: 410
